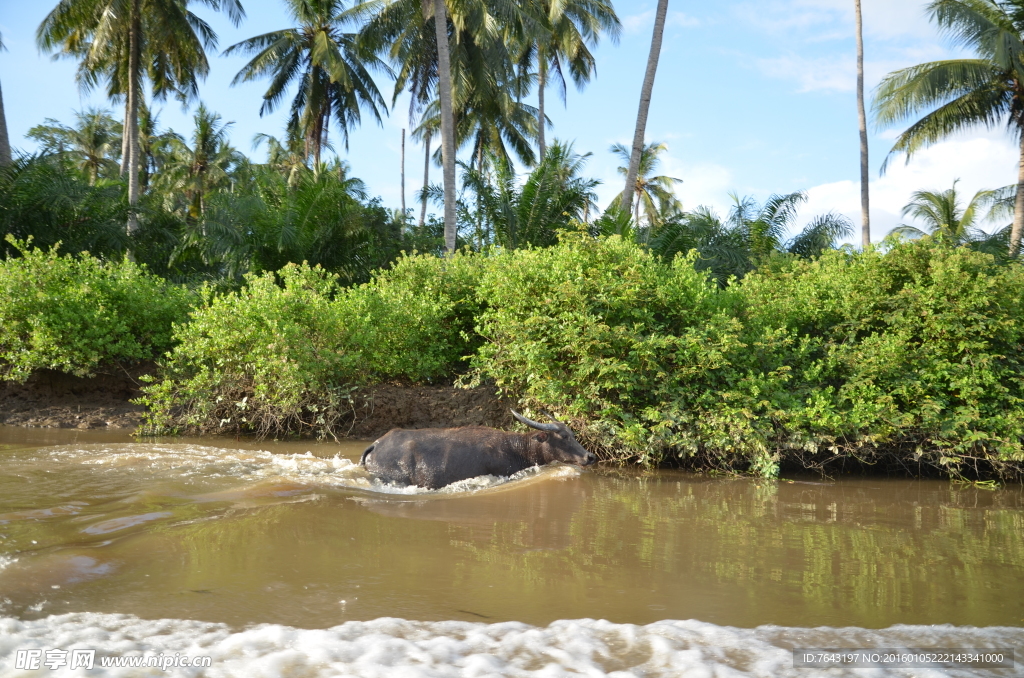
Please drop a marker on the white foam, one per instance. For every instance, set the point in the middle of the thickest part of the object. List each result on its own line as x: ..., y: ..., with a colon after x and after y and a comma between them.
x: 391, y: 647
x: 201, y: 462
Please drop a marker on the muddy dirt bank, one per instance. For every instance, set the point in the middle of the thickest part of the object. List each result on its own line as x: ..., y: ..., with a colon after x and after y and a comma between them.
x: 50, y: 399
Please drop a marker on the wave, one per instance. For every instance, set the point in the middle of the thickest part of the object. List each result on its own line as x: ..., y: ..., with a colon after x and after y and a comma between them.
x: 417, y: 649
x: 202, y: 463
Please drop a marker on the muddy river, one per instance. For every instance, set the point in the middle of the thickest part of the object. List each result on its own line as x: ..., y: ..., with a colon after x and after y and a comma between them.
x: 287, y: 559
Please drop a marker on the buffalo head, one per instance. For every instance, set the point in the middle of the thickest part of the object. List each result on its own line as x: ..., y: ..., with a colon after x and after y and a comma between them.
x: 555, y: 442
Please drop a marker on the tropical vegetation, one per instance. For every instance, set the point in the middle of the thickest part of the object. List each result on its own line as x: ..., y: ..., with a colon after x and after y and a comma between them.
x: 957, y: 94
x: 268, y: 292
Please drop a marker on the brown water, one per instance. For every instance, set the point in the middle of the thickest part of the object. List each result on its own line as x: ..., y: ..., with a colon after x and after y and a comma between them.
x: 216, y: 530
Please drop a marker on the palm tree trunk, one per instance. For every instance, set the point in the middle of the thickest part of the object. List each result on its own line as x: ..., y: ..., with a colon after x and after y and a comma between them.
x: 426, y: 181
x: 134, y: 81
x: 1018, y: 206
x: 645, y: 104
x: 541, y: 82
x: 5, y: 144
x: 865, y: 213
x: 403, y: 176
x: 124, y: 136
x: 444, y: 72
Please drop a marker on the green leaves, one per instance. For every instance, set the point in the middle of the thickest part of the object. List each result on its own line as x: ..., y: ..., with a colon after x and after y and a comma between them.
x: 913, y: 354
x: 76, y: 314
x: 284, y: 353
x: 853, y: 354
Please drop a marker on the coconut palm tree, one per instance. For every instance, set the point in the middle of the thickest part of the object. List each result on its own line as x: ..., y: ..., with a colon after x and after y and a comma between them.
x: 751, y: 233
x: 333, y: 74
x: 466, y: 54
x: 865, y: 213
x: 944, y: 218
x: 553, y: 194
x: 645, y: 105
x: 568, y: 28
x: 5, y: 144
x: 94, y: 145
x: 958, y: 94
x: 124, y: 41
x: 654, y: 195
x: 491, y: 124
x: 288, y: 158
x: 195, y: 170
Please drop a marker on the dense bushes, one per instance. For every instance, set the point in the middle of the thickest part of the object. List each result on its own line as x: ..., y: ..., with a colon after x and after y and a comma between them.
x: 284, y: 353
x: 75, y: 314
x: 913, y: 354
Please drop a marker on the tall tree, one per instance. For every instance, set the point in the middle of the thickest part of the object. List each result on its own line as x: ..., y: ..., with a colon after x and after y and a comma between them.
x: 403, y: 175
x: 645, y: 104
x: 5, y: 144
x: 94, y: 144
x: 125, y: 41
x: 333, y: 74
x: 865, y: 214
x: 491, y: 123
x: 567, y: 30
x: 197, y: 169
x: 426, y: 179
x: 962, y: 93
x: 457, y: 52
x: 444, y: 95
x: 654, y: 194
x: 288, y: 158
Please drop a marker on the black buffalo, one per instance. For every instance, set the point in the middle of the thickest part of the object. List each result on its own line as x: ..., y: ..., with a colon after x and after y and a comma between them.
x: 435, y: 457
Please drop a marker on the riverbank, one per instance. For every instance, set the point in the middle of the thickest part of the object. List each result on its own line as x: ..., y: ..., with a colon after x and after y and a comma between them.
x: 51, y: 399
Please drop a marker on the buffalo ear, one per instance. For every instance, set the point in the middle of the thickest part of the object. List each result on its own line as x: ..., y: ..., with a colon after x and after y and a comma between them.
x: 542, y: 436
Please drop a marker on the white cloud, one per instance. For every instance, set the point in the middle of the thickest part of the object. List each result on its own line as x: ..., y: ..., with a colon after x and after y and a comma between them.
x: 682, y: 20
x: 883, y: 19
x: 635, y: 22
x: 813, y: 74
x: 838, y: 72
x: 644, y: 22
x: 981, y: 161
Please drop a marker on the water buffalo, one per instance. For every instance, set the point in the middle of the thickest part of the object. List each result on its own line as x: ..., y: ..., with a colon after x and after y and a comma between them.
x: 435, y: 457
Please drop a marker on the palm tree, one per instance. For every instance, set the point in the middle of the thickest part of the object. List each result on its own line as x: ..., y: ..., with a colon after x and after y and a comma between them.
x: 568, y: 29
x: 645, y: 104
x: 94, y: 145
x: 5, y: 144
x: 751, y: 233
x: 962, y: 93
x: 288, y: 158
x: 332, y: 73
x: 194, y: 171
x: 944, y: 218
x: 553, y: 194
x: 456, y: 52
x: 654, y: 195
x: 865, y: 213
x: 127, y: 40
x: 491, y: 123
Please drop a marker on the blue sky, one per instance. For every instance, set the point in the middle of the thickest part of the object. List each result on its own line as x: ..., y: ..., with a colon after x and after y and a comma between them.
x: 752, y: 97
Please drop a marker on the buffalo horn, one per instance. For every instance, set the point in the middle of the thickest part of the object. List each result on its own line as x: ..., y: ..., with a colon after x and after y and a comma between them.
x: 535, y: 424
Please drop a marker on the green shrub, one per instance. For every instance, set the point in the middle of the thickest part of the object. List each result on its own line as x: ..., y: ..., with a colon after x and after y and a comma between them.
x: 610, y: 335
x: 918, y: 348
x: 914, y: 353
x: 74, y: 314
x: 284, y: 353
